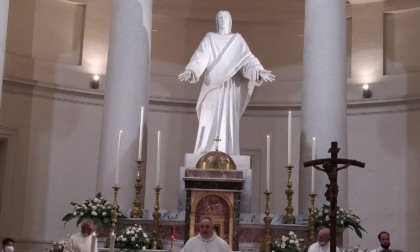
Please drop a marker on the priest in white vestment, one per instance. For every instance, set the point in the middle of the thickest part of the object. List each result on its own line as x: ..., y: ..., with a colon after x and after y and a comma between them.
x: 7, y: 245
x: 207, y: 240
x: 231, y: 73
x: 323, y: 243
x: 81, y: 241
x: 384, y: 240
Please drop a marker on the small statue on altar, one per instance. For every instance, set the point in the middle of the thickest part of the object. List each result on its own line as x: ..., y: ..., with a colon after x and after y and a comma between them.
x: 231, y: 73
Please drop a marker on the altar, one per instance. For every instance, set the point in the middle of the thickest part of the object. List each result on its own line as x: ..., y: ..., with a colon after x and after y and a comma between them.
x: 218, y: 186
x: 251, y: 229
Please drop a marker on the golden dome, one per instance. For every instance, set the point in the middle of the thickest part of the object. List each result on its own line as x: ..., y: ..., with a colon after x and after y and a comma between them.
x: 216, y: 160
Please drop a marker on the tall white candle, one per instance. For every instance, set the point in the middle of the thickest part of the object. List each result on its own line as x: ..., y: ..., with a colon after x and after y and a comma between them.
x: 141, y: 133
x: 268, y: 162
x: 117, y: 170
x: 112, y: 242
x: 93, y: 245
x: 313, y: 169
x: 289, y: 138
x: 158, y: 159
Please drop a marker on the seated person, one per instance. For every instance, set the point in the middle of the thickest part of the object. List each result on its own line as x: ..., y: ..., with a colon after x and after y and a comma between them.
x: 323, y: 243
x: 81, y: 241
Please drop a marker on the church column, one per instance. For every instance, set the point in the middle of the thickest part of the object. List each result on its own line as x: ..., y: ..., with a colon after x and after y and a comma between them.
x: 4, y: 13
x: 126, y: 91
x: 324, y: 104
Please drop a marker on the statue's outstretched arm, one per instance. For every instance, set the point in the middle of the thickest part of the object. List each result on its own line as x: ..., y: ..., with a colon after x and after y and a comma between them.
x: 185, y: 76
x: 266, y: 75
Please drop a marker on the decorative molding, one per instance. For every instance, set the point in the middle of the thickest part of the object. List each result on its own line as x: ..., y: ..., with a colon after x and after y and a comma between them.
x: 51, y: 91
x: 31, y: 88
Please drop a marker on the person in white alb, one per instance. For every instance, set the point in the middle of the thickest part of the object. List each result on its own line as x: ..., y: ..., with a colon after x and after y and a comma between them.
x: 81, y: 241
x: 384, y: 240
x: 207, y: 240
x: 7, y: 245
x: 323, y: 243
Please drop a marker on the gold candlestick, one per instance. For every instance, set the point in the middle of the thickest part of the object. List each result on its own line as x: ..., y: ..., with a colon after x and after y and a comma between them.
x: 311, y: 223
x: 289, y: 218
x: 156, y: 242
x: 136, y: 212
x: 267, y: 221
x: 172, y: 248
x: 115, y: 207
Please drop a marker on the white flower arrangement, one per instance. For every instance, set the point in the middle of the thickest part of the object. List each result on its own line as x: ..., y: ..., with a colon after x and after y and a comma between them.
x: 97, y: 209
x: 58, y: 246
x: 289, y: 243
x: 132, y: 237
x: 345, y: 219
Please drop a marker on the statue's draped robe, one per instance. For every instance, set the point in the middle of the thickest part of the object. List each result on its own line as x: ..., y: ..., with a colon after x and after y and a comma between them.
x: 231, y: 72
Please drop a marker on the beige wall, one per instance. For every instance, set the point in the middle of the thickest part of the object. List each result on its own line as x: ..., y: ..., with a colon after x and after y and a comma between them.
x: 52, y: 119
x: 53, y: 151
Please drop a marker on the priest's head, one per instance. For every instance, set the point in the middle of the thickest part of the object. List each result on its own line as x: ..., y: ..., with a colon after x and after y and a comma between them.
x: 323, y: 236
x: 384, y: 239
x: 223, y: 22
x: 206, y: 227
x: 8, y: 244
x: 88, y: 226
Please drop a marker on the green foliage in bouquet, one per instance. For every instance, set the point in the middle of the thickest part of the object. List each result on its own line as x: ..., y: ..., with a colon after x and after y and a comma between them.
x: 345, y: 219
x: 132, y: 237
x: 289, y: 243
x: 97, y: 209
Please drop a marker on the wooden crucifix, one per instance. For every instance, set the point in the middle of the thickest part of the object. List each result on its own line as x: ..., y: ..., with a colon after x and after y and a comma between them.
x: 330, y: 167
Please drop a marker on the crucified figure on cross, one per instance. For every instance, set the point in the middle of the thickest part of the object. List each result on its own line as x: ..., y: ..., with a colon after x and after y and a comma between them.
x: 330, y: 167
x: 332, y: 173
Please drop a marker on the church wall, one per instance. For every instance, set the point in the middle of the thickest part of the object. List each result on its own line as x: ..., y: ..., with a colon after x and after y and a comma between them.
x: 61, y: 50
x: 53, y: 49
x: 55, y: 161
x: 383, y: 194
x: 381, y: 129
x: 18, y: 117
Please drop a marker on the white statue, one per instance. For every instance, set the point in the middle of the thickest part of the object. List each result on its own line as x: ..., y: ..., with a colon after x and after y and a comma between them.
x: 231, y: 72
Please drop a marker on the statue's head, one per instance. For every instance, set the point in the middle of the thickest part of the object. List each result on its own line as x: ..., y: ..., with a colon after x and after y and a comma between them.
x: 223, y: 22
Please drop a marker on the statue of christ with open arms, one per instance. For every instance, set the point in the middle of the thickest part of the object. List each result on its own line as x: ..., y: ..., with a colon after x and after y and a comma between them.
x: 231, y: 72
